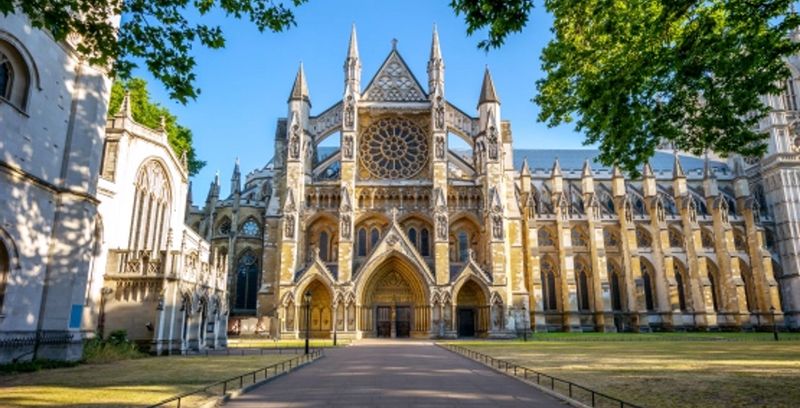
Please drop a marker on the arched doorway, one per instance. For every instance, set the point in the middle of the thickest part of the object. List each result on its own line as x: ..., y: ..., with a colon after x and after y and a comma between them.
x: 472, y: 310
x: 321, y: 311
x: 394, y: 301
x: 5, y: 270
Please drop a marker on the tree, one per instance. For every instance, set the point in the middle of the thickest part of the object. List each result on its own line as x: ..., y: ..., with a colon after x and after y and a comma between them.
x: 159, y: 33
x: 150, y: 114
x: 638, y: 73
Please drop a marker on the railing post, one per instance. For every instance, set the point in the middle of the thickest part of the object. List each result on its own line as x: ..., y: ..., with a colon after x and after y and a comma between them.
x: 570, y: 390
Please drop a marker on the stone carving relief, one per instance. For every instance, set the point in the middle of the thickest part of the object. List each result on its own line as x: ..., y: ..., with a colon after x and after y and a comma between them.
x: 349, y: 112
x: 289, y: 226
x: 492, y: 138
x: 346, y: 226
x: 294, y: 142
x: 394, y: 83
x: 347, y: 147
x: 438, y: 113
x: 440, y: 148
x: 441, y: 227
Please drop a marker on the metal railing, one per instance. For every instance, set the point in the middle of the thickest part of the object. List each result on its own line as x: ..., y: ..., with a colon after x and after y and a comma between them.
x: 564, y: 387
x: 247, y: 351
x: 221, y: 388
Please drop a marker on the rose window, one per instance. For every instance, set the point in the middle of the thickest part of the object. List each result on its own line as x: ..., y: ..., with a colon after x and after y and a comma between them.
x: 394, y: 148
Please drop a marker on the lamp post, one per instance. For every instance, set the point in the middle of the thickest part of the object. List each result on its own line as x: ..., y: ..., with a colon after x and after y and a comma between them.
x: 774, y: 324
x: 308, y: 316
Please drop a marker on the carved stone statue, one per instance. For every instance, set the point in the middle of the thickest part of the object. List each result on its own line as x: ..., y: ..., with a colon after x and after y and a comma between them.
x: 492, y: 136
x: 441, y: 227
x: 497, y: 226
x: 440, y: 147
x: 439, y: 113
x: 347, y: 147
x: 346, y: 226
x: 294, y: 142
x: 349, y: 112
x: 289, y: 227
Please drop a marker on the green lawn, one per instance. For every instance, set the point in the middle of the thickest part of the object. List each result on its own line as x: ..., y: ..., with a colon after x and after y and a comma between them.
x: 666, y: 370
x: 129, y: 383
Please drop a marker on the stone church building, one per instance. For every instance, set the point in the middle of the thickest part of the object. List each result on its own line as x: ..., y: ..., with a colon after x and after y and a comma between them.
x: 397, y: 232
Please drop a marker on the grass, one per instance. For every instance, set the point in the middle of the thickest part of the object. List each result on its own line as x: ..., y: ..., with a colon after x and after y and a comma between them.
x: 129, y: 383
x: 666, y: 370
x: 254, y: 342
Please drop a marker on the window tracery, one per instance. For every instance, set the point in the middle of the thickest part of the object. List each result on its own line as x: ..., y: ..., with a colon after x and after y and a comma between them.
x: 393, y: 148
x: 6, y: 76
x: 250, y: 228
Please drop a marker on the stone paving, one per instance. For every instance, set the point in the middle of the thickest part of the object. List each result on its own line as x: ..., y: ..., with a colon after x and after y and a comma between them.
x: 394, y: 374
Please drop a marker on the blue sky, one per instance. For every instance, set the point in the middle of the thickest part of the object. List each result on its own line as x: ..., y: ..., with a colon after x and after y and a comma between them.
x: 245, y: 86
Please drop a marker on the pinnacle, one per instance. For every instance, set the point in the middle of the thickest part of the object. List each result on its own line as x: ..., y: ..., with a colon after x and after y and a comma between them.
x: 647, y: 171
x: 436, y: 52
x: 556, y: 169
x: 587, y: 169
x: 300, y: 88
x: 352, y: 48
x: 677, y: 169
x: 488, y: 93
x: 526, y: 170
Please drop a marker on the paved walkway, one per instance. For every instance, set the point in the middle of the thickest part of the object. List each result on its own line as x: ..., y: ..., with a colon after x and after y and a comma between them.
x: 394, y: 374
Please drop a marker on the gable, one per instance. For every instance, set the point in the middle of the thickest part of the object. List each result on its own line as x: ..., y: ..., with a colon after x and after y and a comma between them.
x: 394, y: 82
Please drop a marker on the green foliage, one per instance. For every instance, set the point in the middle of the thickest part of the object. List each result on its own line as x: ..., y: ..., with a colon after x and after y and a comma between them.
x: 503, y: 17
x: 159, y: 33
x: 150, y: 114
x: 113, y: 348
x: 639, y: 73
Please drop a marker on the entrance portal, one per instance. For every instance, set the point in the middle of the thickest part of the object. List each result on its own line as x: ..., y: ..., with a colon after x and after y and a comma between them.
x: 384, y: 319
x: 403, y: 322
x: 466, y: 322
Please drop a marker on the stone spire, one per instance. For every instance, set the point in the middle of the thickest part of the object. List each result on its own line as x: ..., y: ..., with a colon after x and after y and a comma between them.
x: 300, y: 88
x: 525, y: 170
x: 741, y: 186
x: 617, y: 182
x: 213, y: 189
x: 125, y: 109
x: 188, y: 201
x: 352, y: 65
x: 435, y: 66
x: 236, y: 184
x: 488, y: 93
x: 525, y: 176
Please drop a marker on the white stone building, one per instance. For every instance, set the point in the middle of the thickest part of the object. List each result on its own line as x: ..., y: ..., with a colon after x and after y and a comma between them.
x: 52, y: 118
x: 153, y: 277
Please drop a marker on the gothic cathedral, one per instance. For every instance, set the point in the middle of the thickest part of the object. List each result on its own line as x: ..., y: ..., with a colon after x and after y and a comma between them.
x: 396, y: 233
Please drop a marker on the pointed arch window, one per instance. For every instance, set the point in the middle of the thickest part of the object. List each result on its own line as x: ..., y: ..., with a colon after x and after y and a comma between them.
x: 323, y: 246
x: 616, y: 292
x: 375, y: 236
x: 649, y: 300
x: 681, y: 291
x: 583, y: 287
x: 550, y: 300
x: 714, y: 295
x: 424, y: 243
x: 749, y: 287
x: 463, y: 246
x: 412, y: 236
x: 246, y: 282
x: 362, y: 242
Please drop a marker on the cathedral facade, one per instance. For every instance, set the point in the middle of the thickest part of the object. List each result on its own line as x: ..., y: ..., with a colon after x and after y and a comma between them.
x: 394, y: 232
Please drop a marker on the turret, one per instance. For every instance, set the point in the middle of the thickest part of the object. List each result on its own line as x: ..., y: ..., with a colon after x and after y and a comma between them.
x: 678, y: 178
x: 648, y: 181
x: 556, y: 178
x: 617, y: 182
x: 587, y: 178
x: 352, y: 66
x: 525, y: 177
x: 710, y: 187
x: 213, y: 190
x: 741, y: 186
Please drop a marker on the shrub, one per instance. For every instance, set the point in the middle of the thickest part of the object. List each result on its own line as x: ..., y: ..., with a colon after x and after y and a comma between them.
x: 115, y: 347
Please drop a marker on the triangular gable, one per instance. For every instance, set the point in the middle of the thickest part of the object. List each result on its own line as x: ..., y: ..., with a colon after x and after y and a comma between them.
x: 396, y: 242
x: 315, y: 268
x: 471, y: 268
x: 394, y: 82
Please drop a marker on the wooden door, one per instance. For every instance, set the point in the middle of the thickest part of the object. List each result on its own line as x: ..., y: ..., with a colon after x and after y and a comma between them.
x: 403, y: 322
x: 466, y: 322
x: 384, y: 321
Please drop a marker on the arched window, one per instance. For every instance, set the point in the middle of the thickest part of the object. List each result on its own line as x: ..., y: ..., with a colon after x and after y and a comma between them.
x: 250, y: 228
x: 424, y: 243
x: 14, y: 76
x: 246, y: 282
x: 749, y: 287
x: 150, y: 217
x: 6, y: 76
x: 323, y: 246
x: 649, y: 301
x: 412, y: 236
x: 681, y: 291
x: 549, y: 297
x: 5, y: 271
x: 362, y: 242
x: 616, y: 292
x: 714, y: 294
x: 463, y: 246
x: 583, y: 287
x: 375, y: 235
